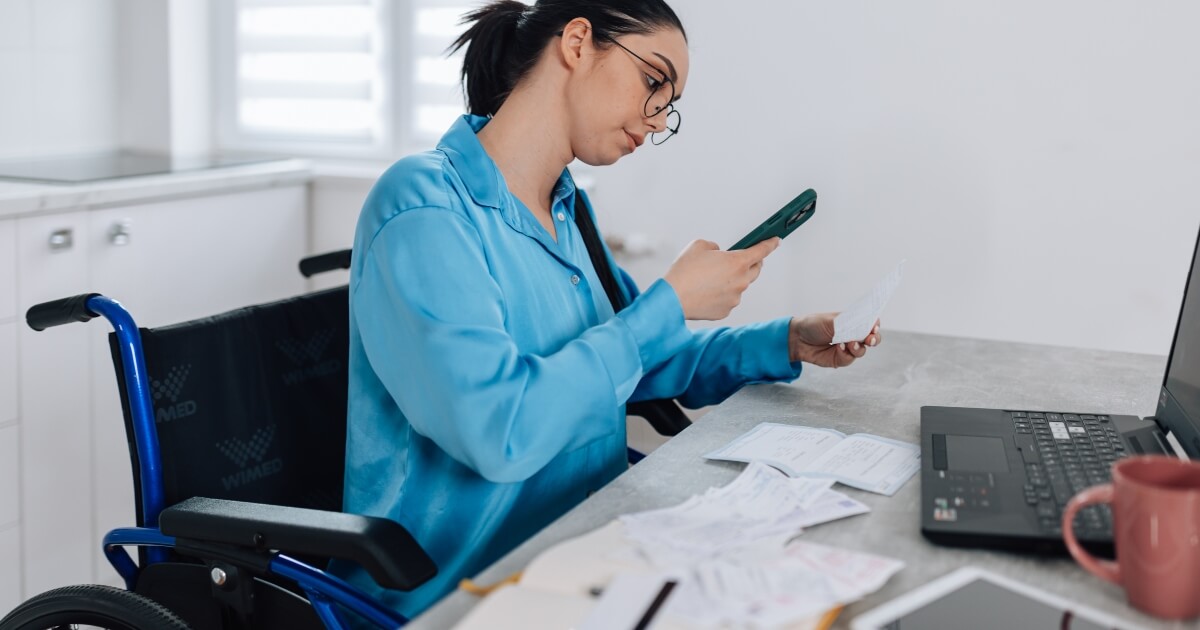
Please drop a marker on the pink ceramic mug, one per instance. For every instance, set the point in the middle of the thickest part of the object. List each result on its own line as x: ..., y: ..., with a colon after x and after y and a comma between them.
x: 1156, y: 528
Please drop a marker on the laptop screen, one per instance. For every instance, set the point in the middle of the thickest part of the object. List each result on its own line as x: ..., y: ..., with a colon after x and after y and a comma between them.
x: 1179, y: 403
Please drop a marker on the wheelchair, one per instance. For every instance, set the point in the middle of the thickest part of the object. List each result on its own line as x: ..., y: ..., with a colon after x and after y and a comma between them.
x: 236, y: 428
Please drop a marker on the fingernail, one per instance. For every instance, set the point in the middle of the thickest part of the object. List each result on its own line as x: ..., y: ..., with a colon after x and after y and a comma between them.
x: 874, y: 341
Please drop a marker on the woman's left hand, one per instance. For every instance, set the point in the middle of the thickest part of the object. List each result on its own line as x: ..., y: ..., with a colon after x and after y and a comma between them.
x: 809, y: 337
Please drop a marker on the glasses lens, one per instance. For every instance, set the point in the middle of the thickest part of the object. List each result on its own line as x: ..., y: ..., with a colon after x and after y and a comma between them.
x: 660, y: 99
x: 673, y: 120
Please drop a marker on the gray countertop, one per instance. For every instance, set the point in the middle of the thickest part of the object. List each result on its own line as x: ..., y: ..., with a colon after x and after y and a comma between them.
x: 20, y: 198
x: 881, y: 394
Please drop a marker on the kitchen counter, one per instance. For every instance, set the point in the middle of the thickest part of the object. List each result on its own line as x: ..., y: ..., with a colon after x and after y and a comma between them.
x: 18, y: 198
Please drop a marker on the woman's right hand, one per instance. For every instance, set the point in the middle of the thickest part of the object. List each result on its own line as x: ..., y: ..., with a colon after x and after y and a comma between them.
x: 710, y: 282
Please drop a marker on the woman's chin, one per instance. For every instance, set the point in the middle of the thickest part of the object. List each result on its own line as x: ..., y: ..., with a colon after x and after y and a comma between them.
x: 599, y: 159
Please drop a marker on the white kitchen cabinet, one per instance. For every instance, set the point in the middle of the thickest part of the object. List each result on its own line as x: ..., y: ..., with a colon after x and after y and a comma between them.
x: 8, y: 373
x: 165, y: 261
x: 8, y: 269
x: 336, y: 204
x: 10, y: 569
x: 55, y: 404
x: 180, y: 260
x: 8, y: 479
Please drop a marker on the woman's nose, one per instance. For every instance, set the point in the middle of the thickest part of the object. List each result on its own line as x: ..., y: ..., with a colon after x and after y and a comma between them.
x: 658, y: 122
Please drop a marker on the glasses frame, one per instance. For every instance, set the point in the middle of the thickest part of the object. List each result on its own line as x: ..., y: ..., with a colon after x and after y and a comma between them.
x: 669, y: 109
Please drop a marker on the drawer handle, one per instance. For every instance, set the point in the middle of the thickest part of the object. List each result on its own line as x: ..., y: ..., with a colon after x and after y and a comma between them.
x: 119, y: 233
x: 62, y: 239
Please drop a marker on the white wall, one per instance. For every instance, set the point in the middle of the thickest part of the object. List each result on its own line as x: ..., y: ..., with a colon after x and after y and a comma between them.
x: 57, y: 77
x: 1035, y: 162
x: 165, y: 79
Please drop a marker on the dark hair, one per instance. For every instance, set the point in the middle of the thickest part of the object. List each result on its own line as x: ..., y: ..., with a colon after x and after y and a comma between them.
x: 507, y: 38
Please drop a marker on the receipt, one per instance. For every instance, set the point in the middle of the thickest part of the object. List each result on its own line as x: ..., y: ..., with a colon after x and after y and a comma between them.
x: 856, y: 322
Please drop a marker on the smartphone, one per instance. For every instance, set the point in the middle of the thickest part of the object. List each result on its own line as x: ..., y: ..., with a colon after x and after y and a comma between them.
x: 790, y: 217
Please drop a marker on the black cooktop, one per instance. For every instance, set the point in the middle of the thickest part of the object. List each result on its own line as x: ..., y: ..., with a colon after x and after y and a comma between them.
x: 74, y: 169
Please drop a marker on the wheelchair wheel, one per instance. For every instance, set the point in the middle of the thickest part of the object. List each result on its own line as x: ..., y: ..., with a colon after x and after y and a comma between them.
x: 91, y: 606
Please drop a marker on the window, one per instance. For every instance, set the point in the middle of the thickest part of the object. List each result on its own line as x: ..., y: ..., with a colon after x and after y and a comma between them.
x: 437, y: 97
x: 357, y: 78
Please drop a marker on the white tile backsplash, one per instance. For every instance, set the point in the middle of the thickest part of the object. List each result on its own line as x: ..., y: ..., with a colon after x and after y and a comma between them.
x: 17, y: 106
x: 73, y: 25
x: 58, y: 75
x: 9, y: 500
x: 16, y: 24
x: 76, y: 102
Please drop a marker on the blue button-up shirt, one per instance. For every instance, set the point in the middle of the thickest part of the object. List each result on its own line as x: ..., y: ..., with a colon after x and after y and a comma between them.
x: 488, y: 372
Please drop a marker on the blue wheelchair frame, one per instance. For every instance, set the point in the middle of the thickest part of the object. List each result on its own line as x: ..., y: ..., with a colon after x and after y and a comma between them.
x: 324, y: 591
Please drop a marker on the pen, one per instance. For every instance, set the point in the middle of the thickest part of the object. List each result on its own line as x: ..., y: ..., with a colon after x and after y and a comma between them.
x: 644, y: 622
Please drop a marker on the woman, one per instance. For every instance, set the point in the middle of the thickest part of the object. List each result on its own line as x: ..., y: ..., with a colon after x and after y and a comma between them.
x: 488, y: 371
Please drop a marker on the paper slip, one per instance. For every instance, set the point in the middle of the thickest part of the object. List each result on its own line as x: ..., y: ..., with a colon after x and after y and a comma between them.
x: 856, y: 322
x: 762, y: 504
x: 628, y: 600
x: 864, y: 461
x: 769, y: 588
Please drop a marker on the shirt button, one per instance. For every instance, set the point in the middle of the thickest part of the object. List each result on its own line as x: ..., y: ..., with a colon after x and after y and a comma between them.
x: 562, y: 217
x: 574, y: 279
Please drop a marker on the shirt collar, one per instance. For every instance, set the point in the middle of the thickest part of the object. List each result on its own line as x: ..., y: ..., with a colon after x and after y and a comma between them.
x: 480, y: 174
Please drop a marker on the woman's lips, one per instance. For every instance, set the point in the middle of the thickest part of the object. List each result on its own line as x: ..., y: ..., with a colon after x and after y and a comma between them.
x: 633, y: 145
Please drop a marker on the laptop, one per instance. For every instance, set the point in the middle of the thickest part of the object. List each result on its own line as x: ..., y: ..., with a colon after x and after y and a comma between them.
x: 1002, y: 477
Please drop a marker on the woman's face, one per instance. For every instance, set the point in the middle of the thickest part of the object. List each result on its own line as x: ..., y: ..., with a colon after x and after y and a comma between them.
x: 622, y: 95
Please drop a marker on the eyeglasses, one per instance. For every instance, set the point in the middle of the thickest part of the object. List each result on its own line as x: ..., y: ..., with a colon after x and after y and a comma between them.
x: 660, y: 99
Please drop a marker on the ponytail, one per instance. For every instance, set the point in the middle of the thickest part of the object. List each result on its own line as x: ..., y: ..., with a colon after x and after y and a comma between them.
x: 507, y: 37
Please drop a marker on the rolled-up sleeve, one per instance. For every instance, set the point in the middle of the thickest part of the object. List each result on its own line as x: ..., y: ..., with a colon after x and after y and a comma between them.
x: 716, y: 363
x: 432, y: 321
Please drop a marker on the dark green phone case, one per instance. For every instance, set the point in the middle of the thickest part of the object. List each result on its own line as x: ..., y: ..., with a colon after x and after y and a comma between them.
x: 782, y: 223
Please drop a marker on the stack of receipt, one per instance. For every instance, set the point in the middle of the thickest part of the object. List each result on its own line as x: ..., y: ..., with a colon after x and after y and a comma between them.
x: 731, y: 551
x: 762, y: 504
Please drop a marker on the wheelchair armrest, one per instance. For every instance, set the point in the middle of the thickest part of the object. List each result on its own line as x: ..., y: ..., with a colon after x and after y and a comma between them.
x: 664, y: 415
x: 381, y: 546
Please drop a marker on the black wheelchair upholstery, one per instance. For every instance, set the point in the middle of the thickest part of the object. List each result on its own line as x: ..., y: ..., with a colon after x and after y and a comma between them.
x: 250, y: 405
x: 250, y: 412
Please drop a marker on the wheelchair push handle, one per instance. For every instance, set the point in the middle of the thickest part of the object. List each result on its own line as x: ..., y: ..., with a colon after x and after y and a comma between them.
x: 59, y: 312
x: 321, y: 263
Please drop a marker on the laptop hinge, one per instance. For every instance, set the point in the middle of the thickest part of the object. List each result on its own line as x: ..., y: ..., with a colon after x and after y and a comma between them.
x: 1161, y: 427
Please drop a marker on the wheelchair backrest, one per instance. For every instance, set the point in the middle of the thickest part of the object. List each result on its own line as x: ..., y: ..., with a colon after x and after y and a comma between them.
x: 250, y: 405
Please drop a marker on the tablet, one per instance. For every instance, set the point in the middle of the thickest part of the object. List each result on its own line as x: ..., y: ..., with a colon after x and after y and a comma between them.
x: 974, y: 598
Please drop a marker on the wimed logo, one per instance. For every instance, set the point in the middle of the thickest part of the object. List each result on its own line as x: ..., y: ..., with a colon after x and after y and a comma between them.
x: 308, y: 356
x: 248, y: 456
x: 167, y: 391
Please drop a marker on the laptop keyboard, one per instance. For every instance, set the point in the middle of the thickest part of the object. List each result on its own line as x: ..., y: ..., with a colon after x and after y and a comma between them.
x: 1076, y: 452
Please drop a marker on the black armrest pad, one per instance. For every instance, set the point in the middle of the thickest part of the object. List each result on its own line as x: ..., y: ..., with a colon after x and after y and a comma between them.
x: 381, y: 546
x: 664, y: 415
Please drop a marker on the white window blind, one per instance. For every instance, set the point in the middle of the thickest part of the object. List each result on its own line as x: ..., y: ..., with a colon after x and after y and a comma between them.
x: 363, y: 78
x: 308, y: 71
x: 436, y: 96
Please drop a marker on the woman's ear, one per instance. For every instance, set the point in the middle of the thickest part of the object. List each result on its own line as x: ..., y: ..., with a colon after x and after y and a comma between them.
x: 576, y: 42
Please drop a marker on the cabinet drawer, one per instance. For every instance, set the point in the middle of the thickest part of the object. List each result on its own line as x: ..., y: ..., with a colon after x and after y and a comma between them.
x: 8, y: 269
x: 8, y: 372
x: 8, y: 476
x: 10, y: 569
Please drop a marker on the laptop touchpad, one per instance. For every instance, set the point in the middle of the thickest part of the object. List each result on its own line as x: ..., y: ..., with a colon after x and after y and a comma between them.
x: 973, y: 453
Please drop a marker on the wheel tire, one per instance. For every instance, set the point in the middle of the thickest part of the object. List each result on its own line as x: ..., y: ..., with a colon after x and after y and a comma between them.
x: 93, y: 605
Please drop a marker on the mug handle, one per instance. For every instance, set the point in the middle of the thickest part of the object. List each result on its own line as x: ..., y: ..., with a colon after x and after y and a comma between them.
x: 1103, y: 569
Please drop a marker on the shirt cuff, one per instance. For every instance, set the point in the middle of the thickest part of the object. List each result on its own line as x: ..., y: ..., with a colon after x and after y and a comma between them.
x: 769, y: 352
